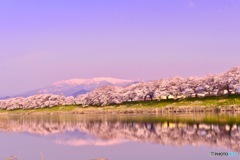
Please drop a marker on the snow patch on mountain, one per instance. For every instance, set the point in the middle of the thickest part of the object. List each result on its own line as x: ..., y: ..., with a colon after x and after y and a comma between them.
x: 74, y: 87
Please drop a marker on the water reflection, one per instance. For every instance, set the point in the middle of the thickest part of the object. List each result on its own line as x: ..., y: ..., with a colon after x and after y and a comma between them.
x: 83, y: 130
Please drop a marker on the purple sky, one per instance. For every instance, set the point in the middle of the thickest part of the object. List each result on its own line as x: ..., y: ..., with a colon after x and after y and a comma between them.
x: 46, y: 41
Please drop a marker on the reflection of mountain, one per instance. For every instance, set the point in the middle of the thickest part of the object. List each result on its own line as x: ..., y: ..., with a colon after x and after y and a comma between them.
x: 103, y: 132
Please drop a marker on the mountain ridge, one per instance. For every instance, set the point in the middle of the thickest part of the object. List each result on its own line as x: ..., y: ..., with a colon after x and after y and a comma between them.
x: 76, y: 86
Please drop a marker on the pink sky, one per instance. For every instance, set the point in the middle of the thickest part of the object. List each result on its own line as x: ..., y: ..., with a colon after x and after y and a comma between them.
x: 47, y: 41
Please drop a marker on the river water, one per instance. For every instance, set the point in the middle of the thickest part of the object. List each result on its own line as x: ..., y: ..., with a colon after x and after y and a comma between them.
x: 120, y: 137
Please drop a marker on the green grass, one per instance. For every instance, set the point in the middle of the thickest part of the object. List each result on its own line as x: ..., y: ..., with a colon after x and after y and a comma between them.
x: 51, y: 109
x: 206, y: 101
x: 57, y: 108
x: 211, y: 101
x: 223, y: 101
x: 143, y: 104
x: 2, y: 111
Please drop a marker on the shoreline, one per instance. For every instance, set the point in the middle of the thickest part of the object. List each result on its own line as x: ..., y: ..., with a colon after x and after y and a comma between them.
x: 129, y: 117
x: 126, y: 110
x: 229, y: 104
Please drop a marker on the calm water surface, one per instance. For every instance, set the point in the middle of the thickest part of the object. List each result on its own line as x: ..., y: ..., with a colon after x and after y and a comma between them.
x: 118, y: 137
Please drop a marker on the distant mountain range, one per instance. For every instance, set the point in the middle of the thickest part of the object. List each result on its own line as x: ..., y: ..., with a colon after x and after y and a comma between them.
x: 75, y: 87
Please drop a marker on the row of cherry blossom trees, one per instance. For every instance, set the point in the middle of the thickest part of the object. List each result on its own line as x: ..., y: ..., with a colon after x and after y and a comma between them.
x: 177, y: 88
x: 212, y: 85
x: 36, y: 101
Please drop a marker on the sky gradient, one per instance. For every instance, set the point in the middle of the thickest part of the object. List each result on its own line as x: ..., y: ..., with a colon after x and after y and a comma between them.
x: 46, y: 41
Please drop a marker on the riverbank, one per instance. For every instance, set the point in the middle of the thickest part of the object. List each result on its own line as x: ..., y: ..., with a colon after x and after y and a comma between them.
x: 191, y: 105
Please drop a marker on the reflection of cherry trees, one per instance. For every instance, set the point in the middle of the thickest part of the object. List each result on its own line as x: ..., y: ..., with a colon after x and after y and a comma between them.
x: 110, y: 132
x: 212, y: 85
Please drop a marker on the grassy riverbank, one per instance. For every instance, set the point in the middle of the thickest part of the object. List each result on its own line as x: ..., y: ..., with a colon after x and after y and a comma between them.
x: 223, y: 103
x: 205, y: 101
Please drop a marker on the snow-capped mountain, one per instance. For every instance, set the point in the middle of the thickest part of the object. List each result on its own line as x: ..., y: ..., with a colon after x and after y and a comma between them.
x: 75, y: 87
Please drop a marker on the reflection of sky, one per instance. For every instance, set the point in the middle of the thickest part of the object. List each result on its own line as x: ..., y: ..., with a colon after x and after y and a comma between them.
x: 30, y: 147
